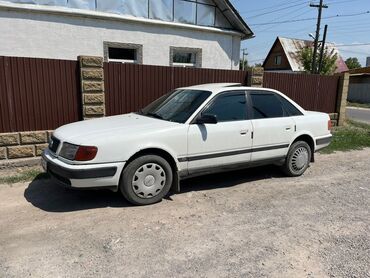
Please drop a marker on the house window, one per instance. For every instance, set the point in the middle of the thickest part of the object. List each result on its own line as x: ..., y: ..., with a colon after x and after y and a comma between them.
x: 123, y: 52
x: 186, y: 57
x: 278, y: 60
x: 185, y: 11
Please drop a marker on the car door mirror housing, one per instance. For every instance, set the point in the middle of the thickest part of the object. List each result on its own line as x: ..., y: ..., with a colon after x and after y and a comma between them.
x: 206, y: 119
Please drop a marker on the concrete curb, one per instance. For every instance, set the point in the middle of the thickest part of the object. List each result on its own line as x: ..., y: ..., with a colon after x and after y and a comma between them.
x: 359, y: 108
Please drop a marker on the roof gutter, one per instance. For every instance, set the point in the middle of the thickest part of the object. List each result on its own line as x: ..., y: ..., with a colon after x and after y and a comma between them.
x: 247, y: 31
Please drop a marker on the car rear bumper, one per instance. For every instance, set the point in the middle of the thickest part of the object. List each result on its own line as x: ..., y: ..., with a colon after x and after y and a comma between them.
x: 105, y: 175
x: 322, y: 142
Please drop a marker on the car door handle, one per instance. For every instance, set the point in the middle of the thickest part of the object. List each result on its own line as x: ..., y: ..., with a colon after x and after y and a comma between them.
x: 288, y: 128
x: 244, y: 131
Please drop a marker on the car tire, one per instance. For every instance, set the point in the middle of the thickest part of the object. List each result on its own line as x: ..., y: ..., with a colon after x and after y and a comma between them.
x: 146, y: 180
x: 298, y: 159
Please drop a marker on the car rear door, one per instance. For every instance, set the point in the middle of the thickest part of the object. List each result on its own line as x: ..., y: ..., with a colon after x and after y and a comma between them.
x: 273, y: 130
x: 223, y: 144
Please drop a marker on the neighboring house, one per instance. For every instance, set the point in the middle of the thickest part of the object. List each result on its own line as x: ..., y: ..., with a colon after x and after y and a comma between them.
x: 194, y: 33
x: 284, y: 55
x: 359, y: 85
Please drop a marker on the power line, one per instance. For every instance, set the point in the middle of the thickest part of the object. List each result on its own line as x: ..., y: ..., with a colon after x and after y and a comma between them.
x: 307, y: 19
x: 273, y: 6
x: 277, y: 25
x: 341, y: 2
x: 277, y: 10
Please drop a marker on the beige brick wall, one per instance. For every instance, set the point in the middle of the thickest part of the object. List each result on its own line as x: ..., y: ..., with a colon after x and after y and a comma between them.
x: 8, y: 139
x: 255, y: 77
x: 334, y: 119
x: 2, y: 153
x: 92, y: 86
x: 23, y: 144
x: 342, y: 97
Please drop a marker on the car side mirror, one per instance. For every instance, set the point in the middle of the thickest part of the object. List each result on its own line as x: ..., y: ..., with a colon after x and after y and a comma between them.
x: 206, y: 119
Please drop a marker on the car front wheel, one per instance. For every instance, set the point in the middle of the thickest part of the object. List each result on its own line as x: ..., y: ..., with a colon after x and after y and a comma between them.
x: 298, y: 159
x: 146, y: 180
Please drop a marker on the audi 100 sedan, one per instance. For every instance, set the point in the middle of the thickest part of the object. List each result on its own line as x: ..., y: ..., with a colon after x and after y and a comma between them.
x: 188, y: 132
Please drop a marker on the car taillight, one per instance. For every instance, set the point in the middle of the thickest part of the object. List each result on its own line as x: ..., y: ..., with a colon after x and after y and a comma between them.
x: 85, y: 153
x: 329, y: 125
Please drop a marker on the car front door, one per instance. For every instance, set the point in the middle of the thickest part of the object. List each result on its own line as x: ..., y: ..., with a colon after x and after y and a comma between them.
x: 272, y: 128
x: 228, y: 142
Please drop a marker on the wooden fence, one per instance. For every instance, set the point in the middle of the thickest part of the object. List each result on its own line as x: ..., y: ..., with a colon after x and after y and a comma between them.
x: 38, y: 94
x: 129, y: 87
x: 312, y: 92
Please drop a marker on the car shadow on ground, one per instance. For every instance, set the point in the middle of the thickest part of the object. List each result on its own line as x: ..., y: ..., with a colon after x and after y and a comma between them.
x: 47, y: 195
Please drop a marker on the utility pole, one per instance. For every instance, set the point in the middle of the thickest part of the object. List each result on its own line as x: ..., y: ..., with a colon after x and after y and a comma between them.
x: 243, y: 59
x: 317, y: 37
x: 323, y: 48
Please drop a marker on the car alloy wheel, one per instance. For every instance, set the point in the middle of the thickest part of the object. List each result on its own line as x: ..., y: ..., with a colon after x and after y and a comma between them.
x: 148, y: 180
x: 299, y: 159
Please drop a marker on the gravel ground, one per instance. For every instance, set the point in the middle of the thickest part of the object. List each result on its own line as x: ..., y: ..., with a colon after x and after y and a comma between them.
x: 253, y: 223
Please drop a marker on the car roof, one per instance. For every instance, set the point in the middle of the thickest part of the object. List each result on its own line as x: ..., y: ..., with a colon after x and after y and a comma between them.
x: 212, y: 86
x: 222, y: 87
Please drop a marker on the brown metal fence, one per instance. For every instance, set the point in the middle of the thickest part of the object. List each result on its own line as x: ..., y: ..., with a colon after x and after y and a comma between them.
x: 41, y: 94
x: 129, y: 87
x: 38, y: 94
x: 312, y: 92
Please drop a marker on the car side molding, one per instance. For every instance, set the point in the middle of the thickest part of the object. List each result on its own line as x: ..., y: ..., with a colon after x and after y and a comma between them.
x: 231, y: 153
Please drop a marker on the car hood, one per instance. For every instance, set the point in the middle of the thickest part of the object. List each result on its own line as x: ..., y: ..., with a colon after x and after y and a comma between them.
x: 85, y: 132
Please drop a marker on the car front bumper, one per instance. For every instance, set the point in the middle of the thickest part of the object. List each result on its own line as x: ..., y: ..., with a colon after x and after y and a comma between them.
x: 105, y: 175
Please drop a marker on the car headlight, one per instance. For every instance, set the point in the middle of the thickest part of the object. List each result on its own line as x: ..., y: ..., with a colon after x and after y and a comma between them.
x: 68, y: 151
x: 78, y: 153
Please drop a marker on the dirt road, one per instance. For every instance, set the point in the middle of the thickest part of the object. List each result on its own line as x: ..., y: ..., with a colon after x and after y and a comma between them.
x: 254, y: 223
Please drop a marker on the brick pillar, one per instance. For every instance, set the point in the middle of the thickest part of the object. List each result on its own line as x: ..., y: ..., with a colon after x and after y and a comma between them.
x: 92, y: 87
x: 255, y: 77
x: 342, y: 97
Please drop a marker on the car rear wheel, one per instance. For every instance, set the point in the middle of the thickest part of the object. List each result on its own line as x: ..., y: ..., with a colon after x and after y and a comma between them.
x: 298, y: 159
x: 146, y: 180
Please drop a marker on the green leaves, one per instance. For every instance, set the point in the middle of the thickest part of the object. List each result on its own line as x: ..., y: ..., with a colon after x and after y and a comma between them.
x: 329, y: 60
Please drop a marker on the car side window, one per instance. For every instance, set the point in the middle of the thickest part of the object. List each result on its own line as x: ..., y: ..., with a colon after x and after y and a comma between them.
x: 228, y: 107
x: 290, y: 109
x: 266, y: 105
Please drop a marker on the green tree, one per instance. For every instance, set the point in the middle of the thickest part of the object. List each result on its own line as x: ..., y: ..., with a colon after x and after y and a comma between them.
x: 328, y: 62
x: 353, y: 63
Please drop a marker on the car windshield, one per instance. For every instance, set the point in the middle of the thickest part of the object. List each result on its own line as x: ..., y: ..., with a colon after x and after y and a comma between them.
x: 177, y: 106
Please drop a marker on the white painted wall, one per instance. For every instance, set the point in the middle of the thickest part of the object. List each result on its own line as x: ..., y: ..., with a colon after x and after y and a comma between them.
x: 64, y: 36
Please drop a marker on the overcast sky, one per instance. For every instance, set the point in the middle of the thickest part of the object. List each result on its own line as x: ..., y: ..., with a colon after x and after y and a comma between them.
x: 342, y: 30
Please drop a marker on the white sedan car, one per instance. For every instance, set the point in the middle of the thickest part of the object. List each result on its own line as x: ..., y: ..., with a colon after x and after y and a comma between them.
x: 188, y: 132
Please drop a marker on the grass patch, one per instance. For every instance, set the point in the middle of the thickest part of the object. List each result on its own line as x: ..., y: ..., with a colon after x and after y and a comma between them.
x: 28, y: 175
x: 359, y: 105
x: 351, y: 136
